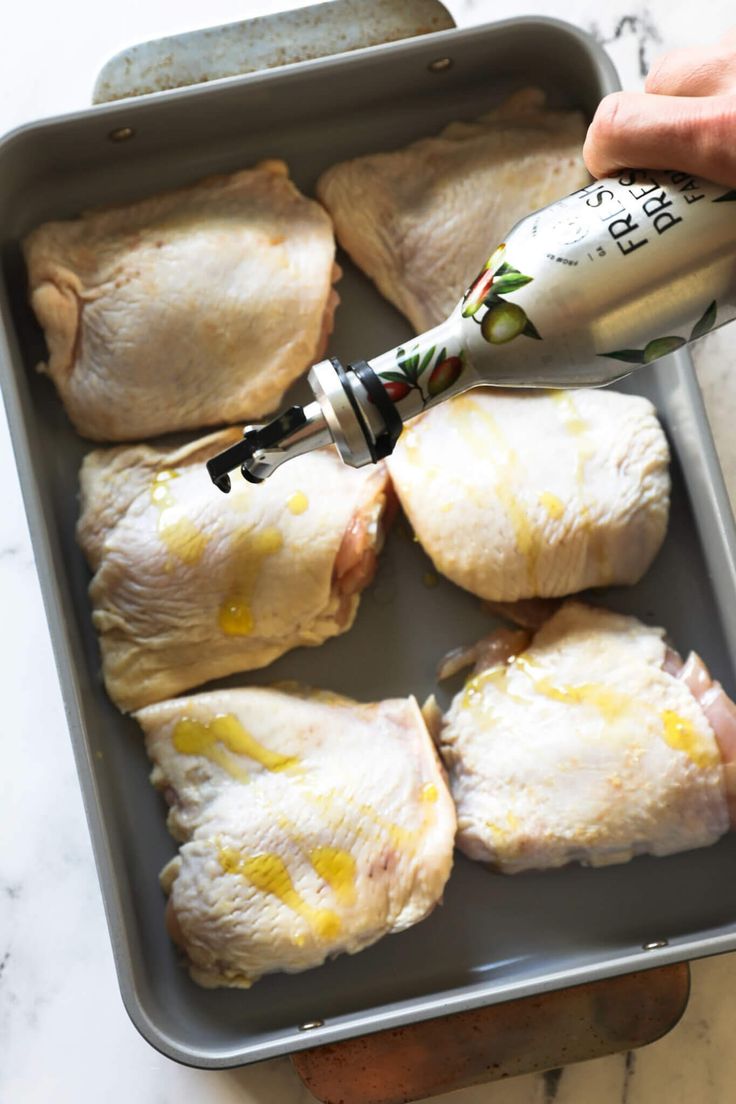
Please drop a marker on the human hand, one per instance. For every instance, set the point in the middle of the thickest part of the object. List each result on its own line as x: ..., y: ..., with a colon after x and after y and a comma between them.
x: 685, y: 119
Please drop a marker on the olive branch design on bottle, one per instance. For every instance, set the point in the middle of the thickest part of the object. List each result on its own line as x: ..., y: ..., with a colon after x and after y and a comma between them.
x: 500, y: 321
x: 412, y: 366
x: 661, y: 346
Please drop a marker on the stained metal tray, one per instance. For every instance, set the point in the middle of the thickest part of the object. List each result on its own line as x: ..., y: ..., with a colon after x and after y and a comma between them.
x: 494, y: 937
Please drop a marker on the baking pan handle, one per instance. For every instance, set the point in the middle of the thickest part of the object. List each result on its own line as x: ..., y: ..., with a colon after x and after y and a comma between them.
x: 530, y: 1034
x: 265, y: 42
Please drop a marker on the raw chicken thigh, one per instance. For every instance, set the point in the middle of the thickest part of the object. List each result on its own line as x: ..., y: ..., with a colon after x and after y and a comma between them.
x: 519, y: 495
x: 191, y: 585
x: 422, y: 221
x: 312, y: 825
x: 592, y: 742
x: 194, y: 307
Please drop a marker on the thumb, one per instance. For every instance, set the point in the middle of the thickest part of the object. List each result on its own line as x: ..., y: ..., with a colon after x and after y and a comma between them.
x: 695, y: 134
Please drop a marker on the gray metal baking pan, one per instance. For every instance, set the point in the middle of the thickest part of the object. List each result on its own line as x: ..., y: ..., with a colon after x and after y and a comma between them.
x: 494, y: 937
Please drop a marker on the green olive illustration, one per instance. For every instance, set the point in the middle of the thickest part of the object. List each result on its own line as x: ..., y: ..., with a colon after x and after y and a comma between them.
x: 661, y: 346
x: 503, y: 323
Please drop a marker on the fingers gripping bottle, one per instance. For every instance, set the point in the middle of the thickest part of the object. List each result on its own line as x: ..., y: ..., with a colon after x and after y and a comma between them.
x: 581, y: 293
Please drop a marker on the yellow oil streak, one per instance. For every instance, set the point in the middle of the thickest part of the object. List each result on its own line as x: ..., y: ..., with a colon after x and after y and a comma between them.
x: 268, y: 873
x: 609, y: 702
x: 337, y: 868
x: 678, y: 732
x: 397, y: 834
x: 579, y: 428
x: 411, y: 443
x: 504, y: 833
x: 474, y: 687
x: 222, y: 738
x: 571, y: 416
x: 252, y: 548
x: 682, y: 735
x: 331, y: 801
x: 178, y: 532
x: 468, y: 415
x: 297, y: 503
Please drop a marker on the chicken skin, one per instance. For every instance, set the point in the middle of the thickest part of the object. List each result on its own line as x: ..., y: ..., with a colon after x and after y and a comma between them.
x: 422, y: 221
x: 518, y: 495
x: 195, y: 307
x: 191, y: 585
x: 311, y: 825
x: 591, y: 742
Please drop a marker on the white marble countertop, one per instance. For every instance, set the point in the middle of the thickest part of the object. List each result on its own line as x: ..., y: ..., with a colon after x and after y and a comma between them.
x: 64, y: 1035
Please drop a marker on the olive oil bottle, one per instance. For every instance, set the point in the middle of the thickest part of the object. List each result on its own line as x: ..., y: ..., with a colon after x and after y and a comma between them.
x: 620, y: 273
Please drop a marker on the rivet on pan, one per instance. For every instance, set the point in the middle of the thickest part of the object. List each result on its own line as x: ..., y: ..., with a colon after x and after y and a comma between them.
x: 121, y: 134
x: 656, y: 944
x: 440, y: 65
x: 311, y: 1024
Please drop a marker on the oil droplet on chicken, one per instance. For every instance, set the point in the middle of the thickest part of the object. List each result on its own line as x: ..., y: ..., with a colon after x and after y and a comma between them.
x: 222, y: 738
x: 682, y: 735
x: 298, y: 502
x: 507, y: 836
x: 236, y: 615
x: 236, y: 618
x: 554, y: 506
x: 513, y: 823
x: 429, y: 792
x: 178, y: 532
x: 268, y: 873
x: 337, y: 868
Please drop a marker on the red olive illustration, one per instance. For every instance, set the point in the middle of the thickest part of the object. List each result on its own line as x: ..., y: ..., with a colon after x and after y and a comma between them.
x: 477, y: 292
x: 444, y: 375
x: 396, y: 391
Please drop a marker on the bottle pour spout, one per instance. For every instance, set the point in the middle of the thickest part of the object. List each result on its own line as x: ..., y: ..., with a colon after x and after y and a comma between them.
x: 265, y: 448
x: 351, y: 410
